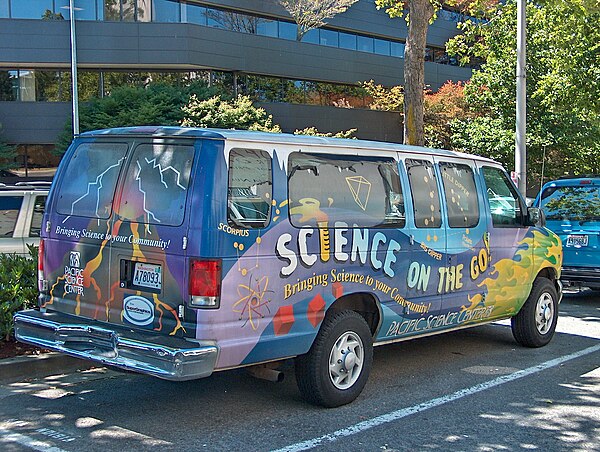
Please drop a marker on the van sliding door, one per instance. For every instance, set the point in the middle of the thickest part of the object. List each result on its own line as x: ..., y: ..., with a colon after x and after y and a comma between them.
x: 426, y: 237
x: 467, y: 244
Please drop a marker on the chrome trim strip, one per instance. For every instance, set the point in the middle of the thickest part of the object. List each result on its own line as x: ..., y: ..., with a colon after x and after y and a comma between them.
x: 161, y: 356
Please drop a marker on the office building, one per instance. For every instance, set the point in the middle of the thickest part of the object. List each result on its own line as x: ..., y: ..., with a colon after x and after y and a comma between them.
x: 248, y: 45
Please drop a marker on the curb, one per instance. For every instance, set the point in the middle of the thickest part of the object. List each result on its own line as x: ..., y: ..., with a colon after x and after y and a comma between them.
x: 40, y: 366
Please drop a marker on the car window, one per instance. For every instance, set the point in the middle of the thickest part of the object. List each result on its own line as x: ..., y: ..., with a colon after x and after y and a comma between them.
x: 461, y: 195
x: 9, y: 212
x: 156, y: 185
x: 503, y: 198
x: 39, y: 205
x: 575, y: 203
x: 88, y: 183
x: 363, y: 192
x: 250, y: 188
x: 425, y: 195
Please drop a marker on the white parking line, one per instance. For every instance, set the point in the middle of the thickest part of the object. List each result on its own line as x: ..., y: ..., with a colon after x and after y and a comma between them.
x: 6, y: 436
x: 404, y: 412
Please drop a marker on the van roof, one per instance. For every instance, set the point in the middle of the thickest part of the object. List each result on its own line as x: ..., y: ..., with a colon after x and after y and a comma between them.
x: 265, y: 137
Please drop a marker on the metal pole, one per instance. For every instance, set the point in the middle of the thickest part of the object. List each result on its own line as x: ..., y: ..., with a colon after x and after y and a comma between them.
x: 74, y: 69
x: 520, y: 150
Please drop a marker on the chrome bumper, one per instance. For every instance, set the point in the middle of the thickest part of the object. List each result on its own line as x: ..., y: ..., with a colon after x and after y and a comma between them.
x: 161, y: 356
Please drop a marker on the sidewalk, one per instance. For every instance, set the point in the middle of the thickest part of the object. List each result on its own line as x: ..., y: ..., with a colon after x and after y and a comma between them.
x: 40, y: 366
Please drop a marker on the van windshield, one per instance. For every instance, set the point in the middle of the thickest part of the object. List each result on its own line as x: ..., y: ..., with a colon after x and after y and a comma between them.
x: 574, y: 203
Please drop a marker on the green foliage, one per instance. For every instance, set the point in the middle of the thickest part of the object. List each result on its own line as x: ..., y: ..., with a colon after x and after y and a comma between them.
x: 238, y: 113
x: 312, y: 131
x: 484, y: 136
x: 18, y: 287
x: 386, y: 99
x: 156, y: 104
x: 7, y: 154
x: 563, y: 84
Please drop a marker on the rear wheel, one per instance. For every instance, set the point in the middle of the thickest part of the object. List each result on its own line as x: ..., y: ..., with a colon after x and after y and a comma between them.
x: 535, y: 323
x: 337, y: 366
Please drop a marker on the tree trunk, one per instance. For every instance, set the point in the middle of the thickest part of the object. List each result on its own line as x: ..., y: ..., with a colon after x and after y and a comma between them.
x: 420, y: 13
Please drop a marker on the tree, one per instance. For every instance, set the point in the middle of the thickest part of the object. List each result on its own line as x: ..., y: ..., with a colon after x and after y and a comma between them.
x: 419, y: 14
x: 382, y: 98
x: 563, y: 85
x: 155, y: 104
x: 312, y: 131
x: 310, y: 14
x: 238, y: 113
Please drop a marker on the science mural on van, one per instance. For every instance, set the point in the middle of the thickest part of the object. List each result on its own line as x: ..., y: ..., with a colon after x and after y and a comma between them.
x: 343, y: 229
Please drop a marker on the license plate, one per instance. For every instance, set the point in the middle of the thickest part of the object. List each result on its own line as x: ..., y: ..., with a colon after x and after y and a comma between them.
x: 577, y: 240
x: 147, y: 275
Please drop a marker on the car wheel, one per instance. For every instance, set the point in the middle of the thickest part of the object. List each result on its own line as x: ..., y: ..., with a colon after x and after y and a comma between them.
x: 337, y: 366
x: 535, y: 323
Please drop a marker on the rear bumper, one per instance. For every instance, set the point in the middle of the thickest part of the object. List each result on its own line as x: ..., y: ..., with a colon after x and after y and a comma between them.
x: 161, y: 356
x: 583, y: 276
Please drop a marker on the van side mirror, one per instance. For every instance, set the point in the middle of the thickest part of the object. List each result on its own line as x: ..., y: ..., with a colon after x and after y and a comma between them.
x: 535, y: 217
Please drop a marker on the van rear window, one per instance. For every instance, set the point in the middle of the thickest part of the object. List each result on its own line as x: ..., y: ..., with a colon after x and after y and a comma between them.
x: 88, y: 183
x: 156, y: 184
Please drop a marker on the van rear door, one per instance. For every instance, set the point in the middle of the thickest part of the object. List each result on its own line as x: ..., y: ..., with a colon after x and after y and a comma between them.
x: 77, y: 227
x: 148, y: 277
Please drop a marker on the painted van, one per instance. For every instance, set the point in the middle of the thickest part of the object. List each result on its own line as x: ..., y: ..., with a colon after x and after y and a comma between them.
x: 572, y: 209
x: 179, y: 252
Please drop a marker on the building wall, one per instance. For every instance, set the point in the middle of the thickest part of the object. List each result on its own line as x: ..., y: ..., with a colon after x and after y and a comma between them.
x: 33, y: 122
x: 369, y: 124
x: 152, y: 46
x: 42, y: 122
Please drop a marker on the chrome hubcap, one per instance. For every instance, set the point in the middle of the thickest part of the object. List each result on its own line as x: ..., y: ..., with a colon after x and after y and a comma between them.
x: 346, y: 360
x: 544, y: 313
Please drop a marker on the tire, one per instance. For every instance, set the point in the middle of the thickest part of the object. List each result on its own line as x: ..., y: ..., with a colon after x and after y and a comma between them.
x: 325, y: 375
x: 535, y: 323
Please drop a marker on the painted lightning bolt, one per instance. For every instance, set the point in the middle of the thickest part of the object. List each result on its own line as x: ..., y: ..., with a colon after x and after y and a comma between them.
x: 161, y: 170
x: 139, y: 179
x: 98, y: 183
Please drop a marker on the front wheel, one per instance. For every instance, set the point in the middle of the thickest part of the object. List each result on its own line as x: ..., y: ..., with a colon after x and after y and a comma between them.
x: 535, y: 323
x: 337, y: 366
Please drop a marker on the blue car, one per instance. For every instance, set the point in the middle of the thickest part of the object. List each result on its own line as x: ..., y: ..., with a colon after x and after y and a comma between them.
x: 572, y: 209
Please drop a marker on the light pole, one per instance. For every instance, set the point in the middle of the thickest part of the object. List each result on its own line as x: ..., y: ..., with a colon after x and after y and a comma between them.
x: 74, y: 92
x: 520, y: 148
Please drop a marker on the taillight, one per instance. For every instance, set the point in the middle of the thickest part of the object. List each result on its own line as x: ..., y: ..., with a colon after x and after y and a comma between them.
x: 205, y: 283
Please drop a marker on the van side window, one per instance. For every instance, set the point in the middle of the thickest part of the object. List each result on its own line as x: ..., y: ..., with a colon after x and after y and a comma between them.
x: 504, y: 200
x: 425, y: 194
x: 325, y: 189
x: 461, y: 195
x: 250, y: 188
x: 156, y: 184
x: 88, y: 182
x: 9, y: 213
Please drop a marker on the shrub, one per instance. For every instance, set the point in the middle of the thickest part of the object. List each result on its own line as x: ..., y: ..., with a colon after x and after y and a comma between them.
x: 18, y: 287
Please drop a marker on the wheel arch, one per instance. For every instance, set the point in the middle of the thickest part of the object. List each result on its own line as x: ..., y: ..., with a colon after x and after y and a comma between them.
x: 363, y: 303
x: 551, y: 274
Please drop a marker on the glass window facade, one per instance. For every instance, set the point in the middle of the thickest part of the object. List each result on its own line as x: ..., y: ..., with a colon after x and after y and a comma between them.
x: 166, y: 11
x: 347, y: 41
x: 193, y: 14
x: 3, y: 9
x: 190, y: 12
